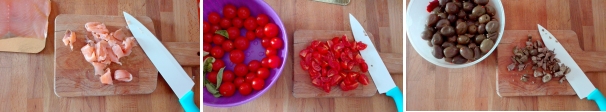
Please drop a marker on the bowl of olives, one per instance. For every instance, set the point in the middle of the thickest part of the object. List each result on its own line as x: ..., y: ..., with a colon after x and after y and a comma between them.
x: 455, y: 33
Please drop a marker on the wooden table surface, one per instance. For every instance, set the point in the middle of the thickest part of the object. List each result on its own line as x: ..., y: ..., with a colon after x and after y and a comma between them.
x: 474, y: 88
x: 27, y: 79
x: 383, y: 18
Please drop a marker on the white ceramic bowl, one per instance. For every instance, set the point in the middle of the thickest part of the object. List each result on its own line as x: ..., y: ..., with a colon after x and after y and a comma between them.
x: 416, y: 19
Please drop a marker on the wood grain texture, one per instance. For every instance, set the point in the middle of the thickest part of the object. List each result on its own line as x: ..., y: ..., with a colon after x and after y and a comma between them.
x: 27, y: 79
x: 302, y: 87
x: 74, y: 76
x: 431, y: 88
x: 309, y: 15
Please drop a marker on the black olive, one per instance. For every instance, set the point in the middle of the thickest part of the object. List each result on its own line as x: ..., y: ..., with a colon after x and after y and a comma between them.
x: 479, y: 39
x: 432, y: 20
x: 447, y: 44
x: 482, y: 28
x: 471, y: 45
x: 458, y: 3
x: 443, y: 2
x: 459, y: 46
x: 463, y: 39
x: 492, y: 26
x: 427, y: 35
x: 461, y: 28
x: 458, y: 59
x: 429, y: 43
x: 442, y: 23
x: 452, y: 8
x: 481, y: 2
x: 490, y: 10
x: 448, y: 31
x: 442, y: 15
x: 437, y: 52
x: 486, y: 45
x: 448, y: 59
x: 452, y: 18
x: 466, y: 53
x: 468, y: 6
x: 472, y: 29
x: 437, y: 10
x: 478, y: 11
x: 476, y: 53
x: 472, y: 17
x: 452, y: 39
x: 437, y: 39
x: 451, y: 51
x: 484, y: 19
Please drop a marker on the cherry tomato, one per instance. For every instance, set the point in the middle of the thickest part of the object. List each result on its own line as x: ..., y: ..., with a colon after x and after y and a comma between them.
x: 225, y: 23
x: 218, y: 39
x: 326, y: 88
x: 363, y: 79
x: 229, y: 11
x: 206, y: 27
x: 228, y: 76
x: 352, y: 86
x: 214, y: 28
x: 271, y: 30
x: 254, y: 65
x: 263, y: 73
x: 240, y: 69
x: 336, y: 79
x: 276, y: 43
x: 206, y: 47
x: 227, y: 46
x: 250, y: 35
x: 265, y: 42
x: 227, y: 89
x: 353, y: 76
x: 233, y: 33
x: 270, y: 52
x: 237, y: 56
x: 316, y: 66
x: 316, y: 82
x: 363, y: 67
x: 259, y: 32
x: 262, y: 19
x: 274, y: 61
x: 245, y: 89
x: 239, y: 81
x: 212, y: 77
x: 303, y: 53
x: 208, y: 38
x: 344, y: 86
x: 218, y: 64
x: 249, y: 77
x: 243, y: 12
x: 265, y: 62
x: 250, y: 24
x: 304, y: 65
x: 214, y: 18
x: 241, y: 43
x: 237, y: 22
x: 217, y: 52
x: 360, y: 45
x: 258, y: 83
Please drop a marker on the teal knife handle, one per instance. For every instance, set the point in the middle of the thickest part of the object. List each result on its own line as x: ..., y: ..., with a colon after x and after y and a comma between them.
x: 597, y: 96
x: 396, y: 94
x: 187, y: 102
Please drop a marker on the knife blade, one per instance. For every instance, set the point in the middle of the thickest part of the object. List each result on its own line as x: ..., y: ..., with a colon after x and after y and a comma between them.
x: 376, y: 67
x: 167, y: 65
x: 577, y: 78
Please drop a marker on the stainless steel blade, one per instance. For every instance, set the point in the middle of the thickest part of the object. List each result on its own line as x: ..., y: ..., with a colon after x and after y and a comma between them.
x: 376, y: 67
x: 166, y: 64
x: 577, y: 78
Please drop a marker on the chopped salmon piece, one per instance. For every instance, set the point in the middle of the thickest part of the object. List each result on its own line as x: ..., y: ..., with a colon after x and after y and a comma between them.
x: 99, y: 67
x: 123, y: 75
x: 89, y: 53
x: 106, y: 78
x: 96, y: 27
x: 69, y: 39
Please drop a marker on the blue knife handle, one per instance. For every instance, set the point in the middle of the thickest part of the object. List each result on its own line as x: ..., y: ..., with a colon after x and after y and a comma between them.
x: 396, y: 94
x: 187, y: 102
x: 597, y: 96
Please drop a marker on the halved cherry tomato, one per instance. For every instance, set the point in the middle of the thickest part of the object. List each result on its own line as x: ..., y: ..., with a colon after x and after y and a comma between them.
x: 316, y: 66
x: 240, y: 69
x: 352, y: 86
x: 227, y: 89
x: 214, y: 18
x: 336, y: 79
x: 326, y: 88
x: 331, y: 73
x: 360, y: 45
x: 344, y: 86
x: 245, y: 89
x: 363, y: 79
x: 303, y: 53
x: 258, y: 83
x: 218, y: 64
x: 314, y: 74
x: 316, y: 82
x: 304, y: 65
x: 353, y: 76
x: 363, y: 67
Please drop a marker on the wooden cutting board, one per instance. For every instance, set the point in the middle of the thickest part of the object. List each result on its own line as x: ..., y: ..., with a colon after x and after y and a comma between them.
x: 509, y: 83
x: 302, y: 87
x: 75, y: 77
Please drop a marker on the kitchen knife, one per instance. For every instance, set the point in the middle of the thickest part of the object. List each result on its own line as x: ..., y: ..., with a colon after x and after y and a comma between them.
x: 166, y: 64
x: 577, y: 78
x: 376, y: 67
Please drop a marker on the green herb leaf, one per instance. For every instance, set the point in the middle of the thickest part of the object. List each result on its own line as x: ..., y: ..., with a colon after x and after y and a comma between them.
x: 208, y: 65
x: 211, y: 88
x: 217, y: 95
x: 220, y: 77
x: 222, y: 33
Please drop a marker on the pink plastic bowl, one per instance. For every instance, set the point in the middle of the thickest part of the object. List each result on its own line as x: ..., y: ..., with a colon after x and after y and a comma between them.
x: 254, y: 52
